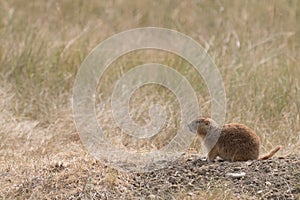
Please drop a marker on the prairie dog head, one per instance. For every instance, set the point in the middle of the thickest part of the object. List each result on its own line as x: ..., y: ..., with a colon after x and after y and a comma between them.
x: 202, y: 126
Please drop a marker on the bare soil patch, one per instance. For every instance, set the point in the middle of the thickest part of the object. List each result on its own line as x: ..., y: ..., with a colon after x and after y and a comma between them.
x: 277, y: 178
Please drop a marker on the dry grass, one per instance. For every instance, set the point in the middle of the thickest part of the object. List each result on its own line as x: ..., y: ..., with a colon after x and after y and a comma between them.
x: 256, y: 46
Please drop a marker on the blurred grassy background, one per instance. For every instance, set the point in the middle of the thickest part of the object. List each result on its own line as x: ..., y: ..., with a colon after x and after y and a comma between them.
x: 255, y: 44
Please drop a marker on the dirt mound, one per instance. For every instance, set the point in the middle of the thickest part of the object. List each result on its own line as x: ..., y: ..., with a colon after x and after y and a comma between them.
x: 276, y: 178
x: 188, y: 178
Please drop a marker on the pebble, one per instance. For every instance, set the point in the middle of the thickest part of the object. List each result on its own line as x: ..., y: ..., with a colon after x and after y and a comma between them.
x: 236, y: 175
x: 268, y: 183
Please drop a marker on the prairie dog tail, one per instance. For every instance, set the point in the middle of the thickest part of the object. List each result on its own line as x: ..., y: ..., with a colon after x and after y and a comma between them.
x: 270, y: 154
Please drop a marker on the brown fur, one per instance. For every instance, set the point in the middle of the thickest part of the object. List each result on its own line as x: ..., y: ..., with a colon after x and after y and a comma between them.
x: 237, y: 142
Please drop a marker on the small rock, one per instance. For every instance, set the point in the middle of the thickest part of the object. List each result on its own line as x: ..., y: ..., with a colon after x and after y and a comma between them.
x: 237, y: 168
x: 268, y: 183
x: 151, y: 196
x: 236, y: 175
x: 248, y: 163
x: 191, y: 194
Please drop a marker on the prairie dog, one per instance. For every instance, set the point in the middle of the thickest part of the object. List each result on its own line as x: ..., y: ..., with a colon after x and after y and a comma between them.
x: 233, y: 142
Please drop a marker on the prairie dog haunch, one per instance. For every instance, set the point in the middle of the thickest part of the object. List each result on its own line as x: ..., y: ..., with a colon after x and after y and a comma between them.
x: 233, y: 142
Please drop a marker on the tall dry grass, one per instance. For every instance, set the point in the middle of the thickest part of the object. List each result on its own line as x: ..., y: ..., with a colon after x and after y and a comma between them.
x: 255, y: 44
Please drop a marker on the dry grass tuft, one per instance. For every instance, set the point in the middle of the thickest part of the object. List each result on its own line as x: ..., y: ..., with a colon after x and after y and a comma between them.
x: 256, y: 46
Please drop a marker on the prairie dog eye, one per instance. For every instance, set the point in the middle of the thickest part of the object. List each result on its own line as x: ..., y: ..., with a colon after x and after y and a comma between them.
x: 206, y: 123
